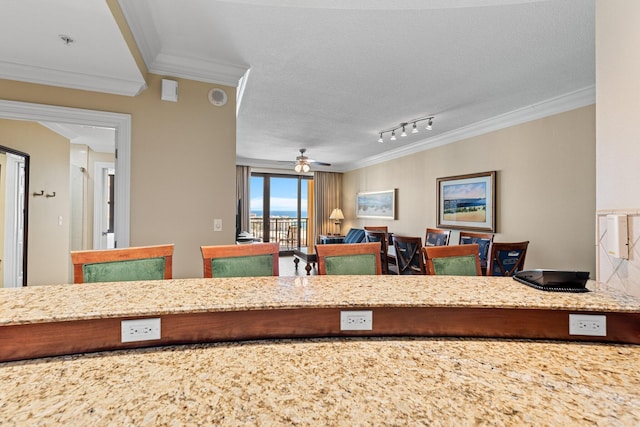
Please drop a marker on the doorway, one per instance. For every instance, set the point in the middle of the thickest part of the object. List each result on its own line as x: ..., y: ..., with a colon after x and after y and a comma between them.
x: 281, y: 206
x: 14, y: 110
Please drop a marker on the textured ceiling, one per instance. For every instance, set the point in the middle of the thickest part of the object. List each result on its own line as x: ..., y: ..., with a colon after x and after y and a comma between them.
x: 329, y: 75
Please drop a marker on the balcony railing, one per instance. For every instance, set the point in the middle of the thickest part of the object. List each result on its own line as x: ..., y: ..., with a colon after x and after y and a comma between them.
x: 284, y: 231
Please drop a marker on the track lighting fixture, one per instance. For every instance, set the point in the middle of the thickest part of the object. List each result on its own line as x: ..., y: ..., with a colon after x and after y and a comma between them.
x: 403, y: 126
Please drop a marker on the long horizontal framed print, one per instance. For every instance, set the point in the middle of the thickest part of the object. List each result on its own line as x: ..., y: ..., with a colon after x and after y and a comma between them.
x: 467, y: 202
x: 376, y: 204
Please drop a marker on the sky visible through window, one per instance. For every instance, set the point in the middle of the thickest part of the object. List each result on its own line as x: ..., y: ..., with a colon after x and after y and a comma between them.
x: 284, y: 201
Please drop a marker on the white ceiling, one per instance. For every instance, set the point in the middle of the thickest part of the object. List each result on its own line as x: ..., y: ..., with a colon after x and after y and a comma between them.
x: 326, y: 75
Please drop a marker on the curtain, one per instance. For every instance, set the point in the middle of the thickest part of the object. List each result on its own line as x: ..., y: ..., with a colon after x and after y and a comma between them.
x: 328, y: 196
x: 243, y: 193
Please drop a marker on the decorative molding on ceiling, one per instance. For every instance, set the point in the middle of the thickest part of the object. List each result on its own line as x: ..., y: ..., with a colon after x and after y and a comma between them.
x: 170, y: 64
x: 72, y: 80
x: 197, y: 69
x: 557, y: 105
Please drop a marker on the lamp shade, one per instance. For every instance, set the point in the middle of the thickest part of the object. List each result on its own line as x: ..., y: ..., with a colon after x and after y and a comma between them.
x: 336, y: 214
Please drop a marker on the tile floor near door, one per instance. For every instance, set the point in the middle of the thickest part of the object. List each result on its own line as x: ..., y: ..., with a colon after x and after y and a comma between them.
x: 288, y: 268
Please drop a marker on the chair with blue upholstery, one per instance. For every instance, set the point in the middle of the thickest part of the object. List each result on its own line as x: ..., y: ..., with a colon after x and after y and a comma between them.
x: 409, y: 256
x: 354, y: 235
x: 506, y: 259
x: 349, y: 259
x: 483, y: 240
x: 382, y: 237
x: 253, y: 260
x: 123, y: 265
x: 457, y: 260
x: 436, y: 237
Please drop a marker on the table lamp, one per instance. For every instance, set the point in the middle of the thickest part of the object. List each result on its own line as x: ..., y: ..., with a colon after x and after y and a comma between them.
x: 337, y: 216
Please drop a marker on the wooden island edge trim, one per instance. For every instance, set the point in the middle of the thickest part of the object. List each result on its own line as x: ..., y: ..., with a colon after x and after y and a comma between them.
x: 28, y: 341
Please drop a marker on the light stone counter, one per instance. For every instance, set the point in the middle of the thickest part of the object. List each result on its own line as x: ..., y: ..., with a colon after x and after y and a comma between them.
x: 343, y: 381
x: 103, y: 300
x: 329, y: 381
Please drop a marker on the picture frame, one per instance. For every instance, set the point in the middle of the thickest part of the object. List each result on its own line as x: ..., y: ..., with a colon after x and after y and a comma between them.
x: 467, y: 202
x: 376, y: 204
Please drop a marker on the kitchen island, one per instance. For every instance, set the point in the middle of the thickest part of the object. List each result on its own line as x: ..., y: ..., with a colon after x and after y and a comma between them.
x: 271, y: 351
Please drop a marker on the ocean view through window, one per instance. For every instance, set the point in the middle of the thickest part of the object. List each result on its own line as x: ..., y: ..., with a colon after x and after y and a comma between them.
x: 279, y: 209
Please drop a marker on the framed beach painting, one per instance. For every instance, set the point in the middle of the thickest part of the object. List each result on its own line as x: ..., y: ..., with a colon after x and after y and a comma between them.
x: 376, y: 204
x: 467, y: 202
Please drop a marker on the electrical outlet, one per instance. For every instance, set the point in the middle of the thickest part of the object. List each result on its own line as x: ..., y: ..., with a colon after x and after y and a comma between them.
x: 217, y: 225
x: 588, y: 324
x: 361, y: 320
x: 140, y: 329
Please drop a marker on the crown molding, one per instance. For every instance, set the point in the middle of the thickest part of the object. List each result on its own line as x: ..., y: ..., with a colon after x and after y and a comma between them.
x: 171, y: 64
x: 71, y: 80
x: 552, y: 106
x: 197, y: 69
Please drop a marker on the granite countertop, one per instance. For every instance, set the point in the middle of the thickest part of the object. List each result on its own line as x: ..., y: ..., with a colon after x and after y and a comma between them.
x: 374, y: 381
x: 36, y: 304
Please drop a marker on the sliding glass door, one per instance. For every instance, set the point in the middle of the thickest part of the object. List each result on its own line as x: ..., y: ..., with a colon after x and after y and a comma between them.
x: 280, y: 207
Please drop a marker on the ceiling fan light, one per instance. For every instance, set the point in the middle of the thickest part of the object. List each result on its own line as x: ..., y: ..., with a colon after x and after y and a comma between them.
x: 298, y: 167
x: 305, y: 167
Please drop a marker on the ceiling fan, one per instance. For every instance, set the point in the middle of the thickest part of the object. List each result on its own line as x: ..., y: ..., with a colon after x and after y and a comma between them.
x: 303, y: 163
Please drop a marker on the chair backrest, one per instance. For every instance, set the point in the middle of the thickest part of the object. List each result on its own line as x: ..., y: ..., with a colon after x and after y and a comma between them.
x: 256, y: 259
x: 506, y: 259
x: 349, y: 259
x: 483, y: 240
x: 383, y: 238
x: 436, y: 237
x: 354, y: 235
x: 124, y: 264
x: 458, y: 260
x: 409, y: 256
x: 377, y: 228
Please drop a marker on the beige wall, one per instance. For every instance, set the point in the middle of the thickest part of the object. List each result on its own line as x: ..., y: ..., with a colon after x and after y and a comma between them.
x: 182, y: 162
x: 48, y: 244
x: 618, y: 137
x: 545, y: 187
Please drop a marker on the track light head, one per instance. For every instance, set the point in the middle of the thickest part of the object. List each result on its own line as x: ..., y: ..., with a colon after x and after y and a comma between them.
x: 403, y: 132
x: 380, y: 140
x: 430, y: 124
x: 415, y: 128
x: 393, y: 135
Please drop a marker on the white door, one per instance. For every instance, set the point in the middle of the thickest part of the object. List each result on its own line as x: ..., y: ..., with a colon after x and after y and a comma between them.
x: 14, y: 222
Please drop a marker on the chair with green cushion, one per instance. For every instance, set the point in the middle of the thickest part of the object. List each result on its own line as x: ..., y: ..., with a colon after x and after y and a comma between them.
x: 256, y: 259
x: 349, y: 259
x: 459, y: 260
x: 123, y: 265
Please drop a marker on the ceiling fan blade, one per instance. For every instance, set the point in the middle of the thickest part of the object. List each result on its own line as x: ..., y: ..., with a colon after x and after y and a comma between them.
x: 313, y: 162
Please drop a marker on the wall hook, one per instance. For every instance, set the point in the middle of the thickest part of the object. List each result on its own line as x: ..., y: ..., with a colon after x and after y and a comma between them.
x: 41, y: 193
x: 53, y: 194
